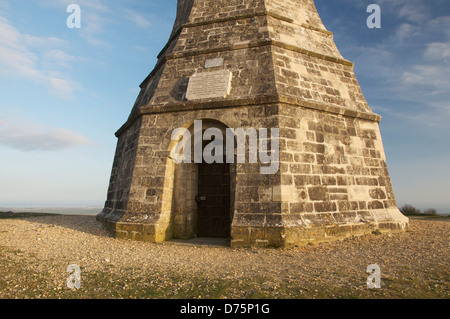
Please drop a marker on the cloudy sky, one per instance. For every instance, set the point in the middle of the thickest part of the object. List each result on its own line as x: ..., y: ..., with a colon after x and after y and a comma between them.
x: 64, y: 92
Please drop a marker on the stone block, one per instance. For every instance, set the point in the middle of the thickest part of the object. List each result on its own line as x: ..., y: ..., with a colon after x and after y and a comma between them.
x: 318, y: 193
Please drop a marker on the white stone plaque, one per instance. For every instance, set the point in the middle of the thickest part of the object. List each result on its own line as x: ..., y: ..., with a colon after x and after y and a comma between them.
x: 213, y: 63
x: 209, y: 85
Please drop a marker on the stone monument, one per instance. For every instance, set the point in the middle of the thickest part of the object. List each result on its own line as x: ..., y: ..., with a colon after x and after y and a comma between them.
x: 252, y: 64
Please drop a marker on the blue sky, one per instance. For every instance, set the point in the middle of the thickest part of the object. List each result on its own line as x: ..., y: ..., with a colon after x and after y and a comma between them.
x: 64, y: 92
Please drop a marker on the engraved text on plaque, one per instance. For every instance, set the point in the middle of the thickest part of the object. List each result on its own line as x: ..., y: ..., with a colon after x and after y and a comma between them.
x: 208, y: 85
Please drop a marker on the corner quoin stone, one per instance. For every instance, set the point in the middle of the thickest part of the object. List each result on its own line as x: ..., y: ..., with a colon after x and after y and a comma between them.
x: 261, y: 64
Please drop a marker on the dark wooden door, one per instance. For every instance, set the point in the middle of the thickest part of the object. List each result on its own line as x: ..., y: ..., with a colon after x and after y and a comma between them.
x: 214, y: 215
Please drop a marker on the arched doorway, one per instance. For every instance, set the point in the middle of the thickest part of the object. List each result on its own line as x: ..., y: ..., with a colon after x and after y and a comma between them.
x: 203, y: 197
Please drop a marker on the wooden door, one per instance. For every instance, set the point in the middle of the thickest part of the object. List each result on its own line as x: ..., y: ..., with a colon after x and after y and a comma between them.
x: 214, y: 214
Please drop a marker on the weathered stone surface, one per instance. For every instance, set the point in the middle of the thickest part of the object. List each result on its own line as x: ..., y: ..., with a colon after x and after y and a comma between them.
x: 254, y: 64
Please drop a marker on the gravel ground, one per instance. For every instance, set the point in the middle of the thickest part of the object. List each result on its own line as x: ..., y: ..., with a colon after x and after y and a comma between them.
x: 35, y: 253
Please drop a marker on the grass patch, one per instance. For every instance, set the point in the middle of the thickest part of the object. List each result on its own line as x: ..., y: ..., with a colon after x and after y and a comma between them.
x: 111, y: 285
x: 11, y: 215
x: 19, y: 280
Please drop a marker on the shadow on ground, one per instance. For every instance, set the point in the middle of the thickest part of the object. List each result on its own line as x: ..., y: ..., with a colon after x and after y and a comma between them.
x: 89, y: 225
x: 82, y: 223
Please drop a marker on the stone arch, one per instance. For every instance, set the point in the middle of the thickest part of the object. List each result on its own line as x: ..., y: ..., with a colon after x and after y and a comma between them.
x: 180, y: 208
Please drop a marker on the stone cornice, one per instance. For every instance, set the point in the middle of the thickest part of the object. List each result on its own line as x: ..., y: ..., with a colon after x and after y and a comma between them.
x: 253, y: 15
x: 162, y: 59
x: 193, y: 106
x: 246, y: 45
x: 240, y: 46
x: 236, y: 18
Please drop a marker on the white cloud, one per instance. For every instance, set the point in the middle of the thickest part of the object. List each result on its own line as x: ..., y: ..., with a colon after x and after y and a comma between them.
x: 426, y: 74
x: 410, y: 65
x: 136, y: 18
x: 428, y: 83
x: 61, y: 87
x: 27, y: 56
x: 414, y: 11
x: 410, y: 10
x: 92, y: 27
x: 404, y: 32
x: 56, y: 59
x: 42, y: 42
x: 29, y: 136
x: 430, y: 75
x: 437, y: 51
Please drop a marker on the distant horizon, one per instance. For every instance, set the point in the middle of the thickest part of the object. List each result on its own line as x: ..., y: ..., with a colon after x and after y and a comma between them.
x: 80, y: 210
x: 50, y: 206
x: 60, y: 209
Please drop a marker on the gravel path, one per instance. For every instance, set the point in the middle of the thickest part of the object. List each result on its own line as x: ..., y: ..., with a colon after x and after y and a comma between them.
x: 35, y: 253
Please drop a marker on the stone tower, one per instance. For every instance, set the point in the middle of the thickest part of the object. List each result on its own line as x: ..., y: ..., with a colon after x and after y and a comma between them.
x: 252, y: 64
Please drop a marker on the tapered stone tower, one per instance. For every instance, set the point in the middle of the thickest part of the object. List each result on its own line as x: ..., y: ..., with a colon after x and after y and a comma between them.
x: 252, y: 64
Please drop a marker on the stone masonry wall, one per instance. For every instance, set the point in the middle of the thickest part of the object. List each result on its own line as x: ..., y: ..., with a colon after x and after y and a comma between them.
x: 317, y: 80
x: 122, y: 174
x: 286, y: 73
x: 301, y: 12
x: 334, y: 183
x: 151, y: 199
x: 333, y: 163
x: 251, y: 69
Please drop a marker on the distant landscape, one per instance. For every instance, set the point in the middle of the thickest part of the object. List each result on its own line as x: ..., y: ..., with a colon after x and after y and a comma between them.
x: 409, y: 210
x: 55, y: 210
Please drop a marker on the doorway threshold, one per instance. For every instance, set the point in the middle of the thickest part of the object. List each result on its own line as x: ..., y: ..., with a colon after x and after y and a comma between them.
x: 201, y: 241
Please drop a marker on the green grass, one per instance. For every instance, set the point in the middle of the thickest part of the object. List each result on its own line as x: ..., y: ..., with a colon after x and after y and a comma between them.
x: 5, y: 215
x: 430, y: 217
